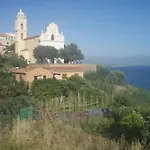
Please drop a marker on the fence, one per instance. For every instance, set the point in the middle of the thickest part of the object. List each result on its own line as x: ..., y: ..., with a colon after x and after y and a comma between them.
x: 28, y: 113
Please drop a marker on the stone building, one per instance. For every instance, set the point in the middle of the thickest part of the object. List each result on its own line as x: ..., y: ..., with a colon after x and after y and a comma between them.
x: 25, y: 45
x: 6, y: 39
x: 45, y: 71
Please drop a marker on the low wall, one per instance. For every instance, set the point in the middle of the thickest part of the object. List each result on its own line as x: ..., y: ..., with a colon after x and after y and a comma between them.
x: 83, y: 115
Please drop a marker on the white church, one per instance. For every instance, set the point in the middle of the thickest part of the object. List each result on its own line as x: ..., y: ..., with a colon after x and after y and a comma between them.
x: 25, y: 45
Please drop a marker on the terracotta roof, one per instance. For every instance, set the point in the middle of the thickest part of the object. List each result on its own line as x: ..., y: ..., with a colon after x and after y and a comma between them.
x: 22, y: 70
x: 32, y: 37
x: 65, y: 69
x: 52, y: 69
x: 4, y: 35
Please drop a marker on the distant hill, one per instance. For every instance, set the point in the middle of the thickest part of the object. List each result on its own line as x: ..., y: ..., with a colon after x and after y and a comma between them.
x: 119, y: 61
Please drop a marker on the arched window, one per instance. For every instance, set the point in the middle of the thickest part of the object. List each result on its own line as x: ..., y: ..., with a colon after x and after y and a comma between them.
x: 22, y: 26
x: 21, y: 36
x: 52, y: 37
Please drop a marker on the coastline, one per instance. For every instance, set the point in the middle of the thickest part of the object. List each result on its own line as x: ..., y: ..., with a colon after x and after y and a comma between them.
x: 126, y: 65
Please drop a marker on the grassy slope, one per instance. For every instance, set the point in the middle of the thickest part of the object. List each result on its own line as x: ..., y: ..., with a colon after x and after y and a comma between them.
x: 50, y: 135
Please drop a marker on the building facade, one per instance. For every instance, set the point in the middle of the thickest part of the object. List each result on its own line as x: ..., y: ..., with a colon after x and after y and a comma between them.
x: 25, y: 45
x: 6, y: 39
x: 61, y: 72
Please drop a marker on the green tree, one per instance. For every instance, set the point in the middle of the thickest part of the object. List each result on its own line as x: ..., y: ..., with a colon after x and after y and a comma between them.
x: 71, y: 53
x: 77, y: 84
x: 10, y: 48
x: 133, y: 126
x: 15, y: 61
x: 116, y: 77
x: 9, y: 87
x: 3, y: 60
x: 43, y: 52
x: 13, y: 94
x: 100, y: 74
x: 45, y: 89
x: 12, y: 106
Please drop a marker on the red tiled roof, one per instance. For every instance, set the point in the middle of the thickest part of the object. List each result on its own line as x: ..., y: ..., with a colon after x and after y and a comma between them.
x: 4, y: 35
x: 52, y: 69
x: 32, y: 37
x: 22, y: 70
x: 66, y: 68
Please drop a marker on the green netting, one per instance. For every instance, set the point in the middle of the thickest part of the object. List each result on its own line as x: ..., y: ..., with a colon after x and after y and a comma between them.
x: 26, y: 113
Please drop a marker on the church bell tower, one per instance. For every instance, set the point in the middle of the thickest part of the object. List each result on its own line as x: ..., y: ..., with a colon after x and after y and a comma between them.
x: 20, y: 32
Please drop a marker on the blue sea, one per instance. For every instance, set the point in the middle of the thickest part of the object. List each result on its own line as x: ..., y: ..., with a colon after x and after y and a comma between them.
x: 138, y: 76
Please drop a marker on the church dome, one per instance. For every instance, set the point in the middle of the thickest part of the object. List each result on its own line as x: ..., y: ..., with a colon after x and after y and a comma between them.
x: 52, y: 28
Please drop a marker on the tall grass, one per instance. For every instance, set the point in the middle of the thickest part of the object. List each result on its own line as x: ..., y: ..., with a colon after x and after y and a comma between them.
x: 48, y: 134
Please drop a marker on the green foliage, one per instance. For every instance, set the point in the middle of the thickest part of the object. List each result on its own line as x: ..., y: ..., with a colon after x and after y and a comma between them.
x: 10, y: 48
x: 71, y: 53
x: 45, y: 89
x: 11, y: 60
x: 116, y: 77
x: 12, y: 106
x: 131, y: 125
x: 97, y: 125
x: 9, y: 87
x: 16, y: 61
x: 75, y: 82
x: 100, y: 74
x: 43, y: 52
x: 50, y: 88
x: 107, y: 77
x: 13, y: 94
x: 100, y: 86
x: 133, y: 120
x: 91, y: 93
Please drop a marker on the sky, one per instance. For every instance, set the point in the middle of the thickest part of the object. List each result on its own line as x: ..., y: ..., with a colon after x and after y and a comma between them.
x: 99, y: 27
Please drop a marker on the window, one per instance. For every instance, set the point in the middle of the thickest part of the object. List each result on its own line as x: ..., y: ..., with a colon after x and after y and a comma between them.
x: 52, y: 37
x: 22, y: 26
x: 64, y: 76
x: 21, y: 36
x: 39, y: 77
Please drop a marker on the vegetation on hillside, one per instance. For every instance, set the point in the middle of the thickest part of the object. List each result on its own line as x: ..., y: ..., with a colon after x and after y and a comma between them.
x: 48, y: 134
x: 129, y: 106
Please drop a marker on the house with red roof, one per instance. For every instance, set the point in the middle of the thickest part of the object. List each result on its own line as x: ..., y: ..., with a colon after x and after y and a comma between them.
x: 55, y: 71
